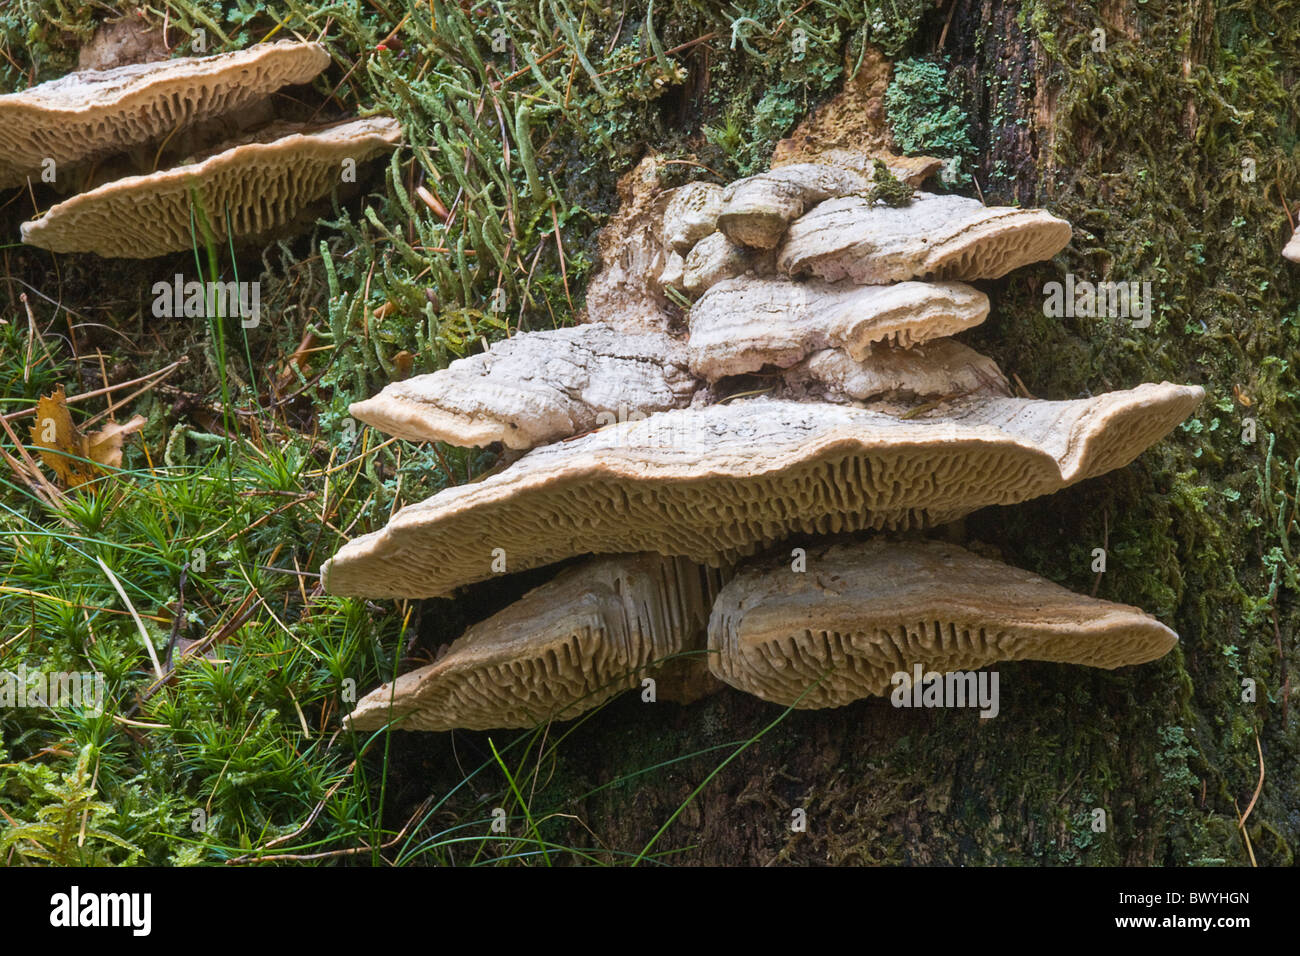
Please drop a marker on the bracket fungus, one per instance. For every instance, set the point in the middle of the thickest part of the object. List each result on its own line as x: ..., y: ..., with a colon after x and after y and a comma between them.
x: 535, y: 388
x: 567, y: 646
x: 261, y: 185
x: 874, y: 420
x: 865, y: 612
x: 93, y: 113
x: 756, y: 210
x: 743, y: 324
x: 715, y: 483
x: 1292, y: 248
x: 713, y: 259
x: 941, y: 237
x: 691, y: 214
x: 940, y: 370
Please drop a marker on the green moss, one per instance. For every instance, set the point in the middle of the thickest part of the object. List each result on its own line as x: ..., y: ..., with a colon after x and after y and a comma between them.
x: 41, y: 36
x: 886, y: 188
x: 893, y: 24
x: 1200, y: 530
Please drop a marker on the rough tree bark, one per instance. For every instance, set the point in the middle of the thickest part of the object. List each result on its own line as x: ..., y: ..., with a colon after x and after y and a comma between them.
x: 1136, y: 146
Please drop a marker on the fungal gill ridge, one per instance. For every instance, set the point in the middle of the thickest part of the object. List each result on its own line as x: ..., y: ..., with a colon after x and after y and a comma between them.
x: 866, y: 612
x: 596, y: 630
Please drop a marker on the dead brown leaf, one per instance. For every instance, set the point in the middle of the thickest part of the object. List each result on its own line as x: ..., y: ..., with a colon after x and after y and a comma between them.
x: 62, y: 444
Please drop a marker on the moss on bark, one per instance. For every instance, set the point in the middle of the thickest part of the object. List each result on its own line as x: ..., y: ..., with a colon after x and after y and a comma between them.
x: 1142, y: 147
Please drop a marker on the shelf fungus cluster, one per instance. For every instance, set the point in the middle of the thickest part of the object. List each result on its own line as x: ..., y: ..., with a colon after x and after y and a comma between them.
x: 240, y: 170
x: 761, y: 362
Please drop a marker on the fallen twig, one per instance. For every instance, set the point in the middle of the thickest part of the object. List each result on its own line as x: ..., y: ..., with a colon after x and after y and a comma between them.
x: 152, y: 377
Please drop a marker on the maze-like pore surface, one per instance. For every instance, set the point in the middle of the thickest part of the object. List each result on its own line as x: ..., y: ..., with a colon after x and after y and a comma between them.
x: 862, y: 613
x: 91, y: 113
x: 562, y: 649
x: 256, y: 187
x: 713, y: 484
